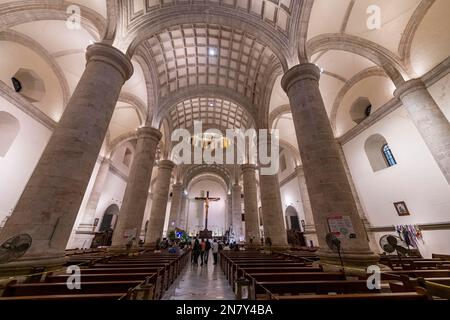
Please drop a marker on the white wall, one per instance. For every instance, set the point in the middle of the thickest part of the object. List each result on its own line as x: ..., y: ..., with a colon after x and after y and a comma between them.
x: 18, y: 164
x: 416, y: 179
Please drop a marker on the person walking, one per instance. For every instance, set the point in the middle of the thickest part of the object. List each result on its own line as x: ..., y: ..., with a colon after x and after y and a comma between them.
x: 196, y: 250
x: 207, y: 248
x: 215, y: 251
x: 202, y: 251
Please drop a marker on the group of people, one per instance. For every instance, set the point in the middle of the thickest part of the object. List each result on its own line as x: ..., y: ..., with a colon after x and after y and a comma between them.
x: 201, y: 249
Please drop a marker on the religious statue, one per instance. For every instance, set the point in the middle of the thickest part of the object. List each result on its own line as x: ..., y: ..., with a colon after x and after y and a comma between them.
x: 206, y: 233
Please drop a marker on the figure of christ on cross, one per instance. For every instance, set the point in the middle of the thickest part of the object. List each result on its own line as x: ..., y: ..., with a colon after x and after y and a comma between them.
x: 205, y: 233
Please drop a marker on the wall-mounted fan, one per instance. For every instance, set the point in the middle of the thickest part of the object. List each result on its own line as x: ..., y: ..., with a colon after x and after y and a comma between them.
x: 391, y: 244
x: 14, y: 248
x: 334, y: 244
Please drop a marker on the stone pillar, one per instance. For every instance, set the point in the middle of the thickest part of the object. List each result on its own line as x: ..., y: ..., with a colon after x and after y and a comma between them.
x: 272, y: 210
x: 328, y: 187
x: 310, y: 230
x: 175, y: 207
x: 429, y: 120
x: 159, y: 203
x: 229, y: 221
x: 87, y: 223
x: 129, y: 223
x: 237, y: 211
x: 182, y: 216
x: 49, y: 204
x: 250, y: 204
x: 370, y: 235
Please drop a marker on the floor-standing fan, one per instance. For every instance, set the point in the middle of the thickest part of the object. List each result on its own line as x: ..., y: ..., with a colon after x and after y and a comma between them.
x: 14, y: 248
x: 334, y: 244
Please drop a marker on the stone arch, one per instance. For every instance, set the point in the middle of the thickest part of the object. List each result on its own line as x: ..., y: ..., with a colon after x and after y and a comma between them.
x: 377, y: 54
x: 204, y: 91
x: 146, y: 28
x: 109, y: 218
x: 16, y: 13
x: 136, y: 103
x: 410, y: 32
x: 17, y: 37
x: 370, y: 72
x: 127, y: 157
x: 9, y: 128
x: 292, y: 219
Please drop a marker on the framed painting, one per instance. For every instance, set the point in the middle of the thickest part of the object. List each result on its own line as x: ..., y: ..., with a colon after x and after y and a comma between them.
x: 401, y: 208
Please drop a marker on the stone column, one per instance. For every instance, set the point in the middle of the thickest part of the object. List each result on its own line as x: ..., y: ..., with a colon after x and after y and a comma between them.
x: 429, y: 120
x: 182, y: 216
x: 370, y: 235
x: 49, y: 204
x: 328, y: 187
x: 159, y: 203
x: 250, y: 204
x: 175, y: 207
x: 237, y: 211
x: 229, y: 221
x: 272, y: 210
x: 310, y: 230
x: 87, y: 223
x: 129, y: 223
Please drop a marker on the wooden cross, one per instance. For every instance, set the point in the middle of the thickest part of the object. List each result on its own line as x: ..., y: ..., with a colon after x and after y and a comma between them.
x: 207, y: 199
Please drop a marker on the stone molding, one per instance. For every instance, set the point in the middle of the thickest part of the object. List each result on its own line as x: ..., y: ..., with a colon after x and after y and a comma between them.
x: 108, y: 54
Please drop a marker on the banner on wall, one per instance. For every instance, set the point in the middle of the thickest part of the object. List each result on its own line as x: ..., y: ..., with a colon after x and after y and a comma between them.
x: 341, y: 227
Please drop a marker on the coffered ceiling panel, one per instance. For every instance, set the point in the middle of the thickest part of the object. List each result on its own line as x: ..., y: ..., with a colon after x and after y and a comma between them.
x: 212, y: 112
x: 276, y: 13
x: 201, y: 54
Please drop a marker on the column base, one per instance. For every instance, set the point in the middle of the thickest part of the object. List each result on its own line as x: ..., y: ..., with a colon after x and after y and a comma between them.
x: 32, y: 265
x: 355, y: 262
x: 123, y: 250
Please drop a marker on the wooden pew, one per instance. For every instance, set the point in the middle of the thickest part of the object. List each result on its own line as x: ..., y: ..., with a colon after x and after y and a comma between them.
x: 73, y: 297
x: 311, y: 287
x: 39, y: 289
x: 353, y: 296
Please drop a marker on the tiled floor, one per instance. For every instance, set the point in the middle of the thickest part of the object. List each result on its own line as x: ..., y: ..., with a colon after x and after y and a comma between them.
x: 201, y: 283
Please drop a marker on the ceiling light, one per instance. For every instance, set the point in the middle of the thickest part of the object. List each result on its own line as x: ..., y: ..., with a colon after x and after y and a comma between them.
x: 212, y: 52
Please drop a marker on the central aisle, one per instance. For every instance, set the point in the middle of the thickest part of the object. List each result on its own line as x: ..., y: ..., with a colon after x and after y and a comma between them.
x: 201, y: 283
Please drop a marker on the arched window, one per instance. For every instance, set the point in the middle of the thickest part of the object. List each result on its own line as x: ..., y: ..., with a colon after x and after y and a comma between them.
x: 379, y: 153
x: 388, y: 156
x: 361, y: 109
x: 127, y: 157
x: 9, y: 129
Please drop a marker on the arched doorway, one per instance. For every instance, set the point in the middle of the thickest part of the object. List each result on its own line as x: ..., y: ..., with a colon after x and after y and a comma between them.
x: 294, y: 232
x: 104, y: 235
x: 293, y: 223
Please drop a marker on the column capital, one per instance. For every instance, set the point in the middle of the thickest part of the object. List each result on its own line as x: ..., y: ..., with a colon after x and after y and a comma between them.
x: 236, y: 187
x: 149, y: 132
x: 409, y: 87
x: 112, y: 56
x: 166, y: 164
x: 177, y: 185
x: 248, y: 167
x: 304, y: 71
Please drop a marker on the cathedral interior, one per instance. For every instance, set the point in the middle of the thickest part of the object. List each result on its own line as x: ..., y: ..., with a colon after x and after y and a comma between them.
x: 308, y: 140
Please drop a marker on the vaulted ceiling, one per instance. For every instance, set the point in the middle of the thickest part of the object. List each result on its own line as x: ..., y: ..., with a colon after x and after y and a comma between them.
x: 221, y: 61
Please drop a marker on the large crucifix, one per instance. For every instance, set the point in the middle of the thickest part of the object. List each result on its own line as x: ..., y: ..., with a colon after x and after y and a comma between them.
x: 206, y: 199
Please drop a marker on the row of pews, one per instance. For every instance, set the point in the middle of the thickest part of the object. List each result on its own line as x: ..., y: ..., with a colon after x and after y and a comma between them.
x: 295, y: 276
x: 103, y: 276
